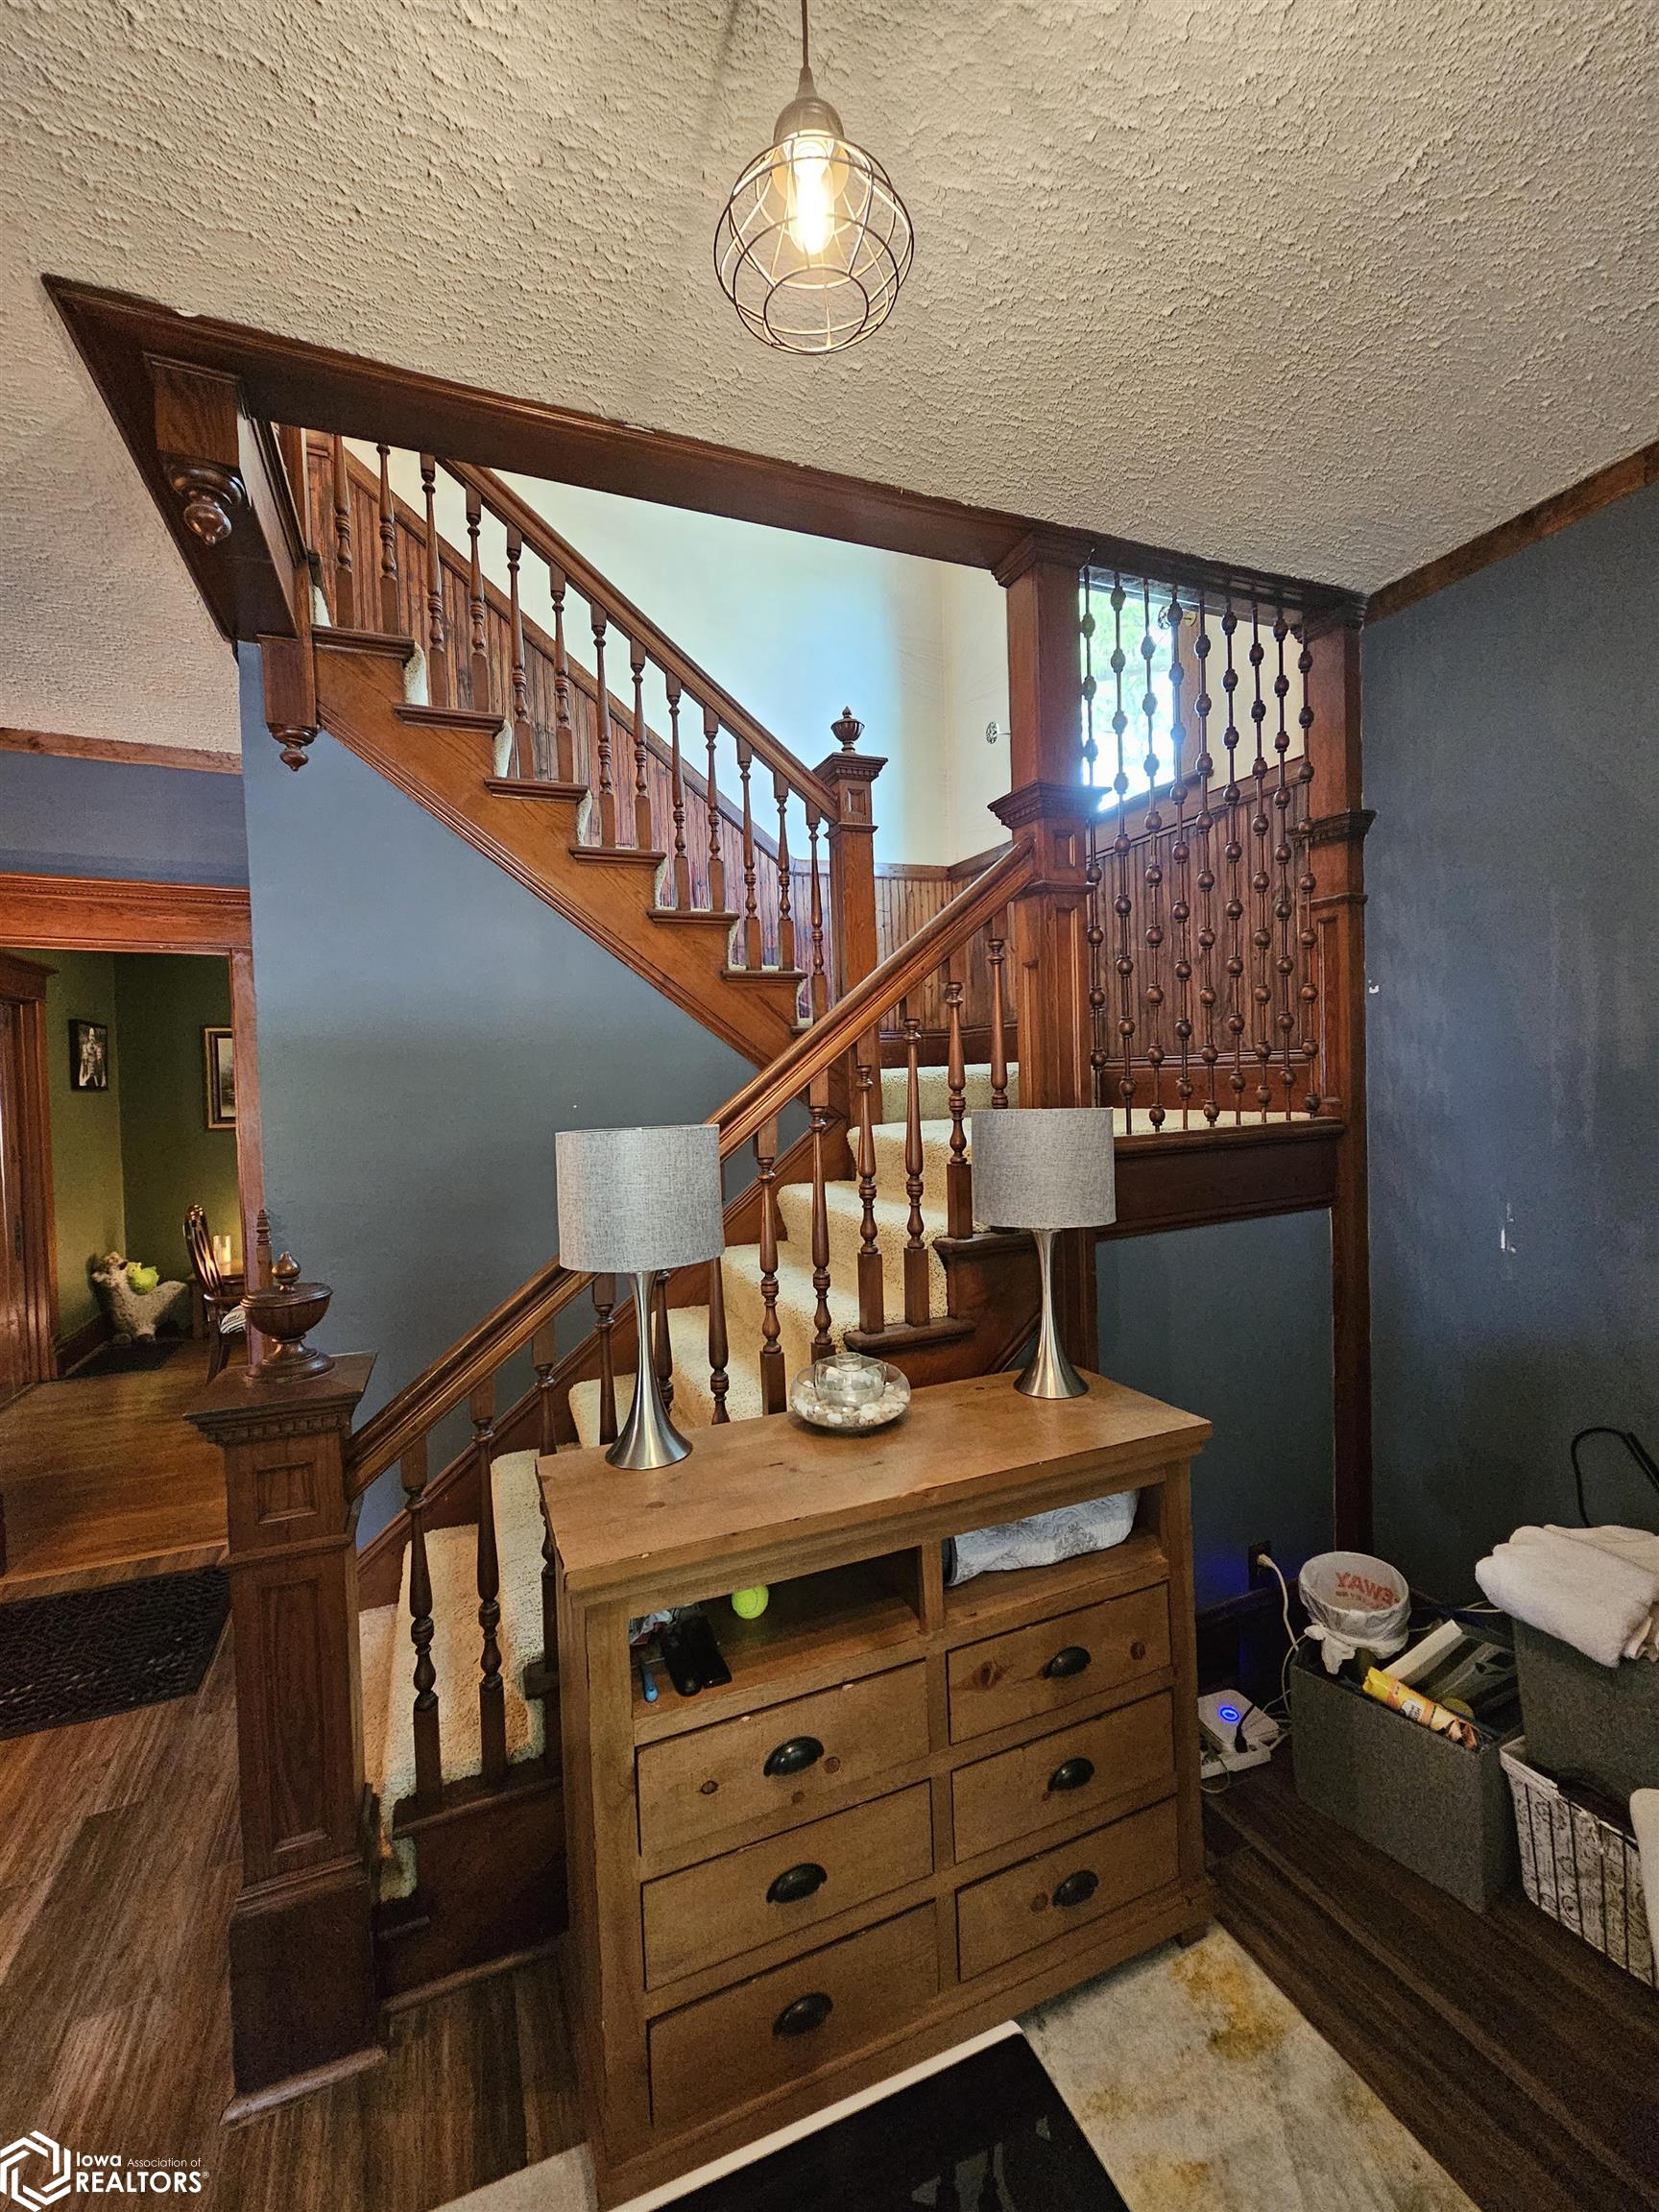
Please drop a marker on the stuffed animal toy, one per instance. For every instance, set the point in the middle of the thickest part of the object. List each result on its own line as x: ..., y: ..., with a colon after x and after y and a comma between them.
x: 137, y: 1306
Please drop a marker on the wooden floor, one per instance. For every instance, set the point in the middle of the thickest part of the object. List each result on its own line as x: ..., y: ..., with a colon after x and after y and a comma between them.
x: 104, y: 1481
x: 117, y: 1869
x: 1517, y: 2055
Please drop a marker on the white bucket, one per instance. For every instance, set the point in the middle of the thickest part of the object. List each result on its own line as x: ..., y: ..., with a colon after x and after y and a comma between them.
x: 1355, y: 1603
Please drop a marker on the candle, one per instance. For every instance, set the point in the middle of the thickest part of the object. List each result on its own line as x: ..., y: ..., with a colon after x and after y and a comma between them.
x: 222, y: 1253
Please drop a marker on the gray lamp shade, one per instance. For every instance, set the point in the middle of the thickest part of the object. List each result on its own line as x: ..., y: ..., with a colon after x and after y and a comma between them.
x: 1044, y: 1168
x: 631, y: 1200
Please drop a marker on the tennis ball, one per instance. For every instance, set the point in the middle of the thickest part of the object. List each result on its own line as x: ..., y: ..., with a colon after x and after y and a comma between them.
x: 749, y: 1605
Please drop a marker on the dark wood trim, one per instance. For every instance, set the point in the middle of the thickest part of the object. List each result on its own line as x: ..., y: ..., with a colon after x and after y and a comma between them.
x: 1616, y: 481
x: 23, y: 984
x: 65, y: 745
x: 287, y: 380
x: 91, y: 1336
x: 98, y: 914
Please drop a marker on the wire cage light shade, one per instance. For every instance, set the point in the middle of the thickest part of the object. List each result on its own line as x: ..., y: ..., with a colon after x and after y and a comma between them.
x: 813, y: 241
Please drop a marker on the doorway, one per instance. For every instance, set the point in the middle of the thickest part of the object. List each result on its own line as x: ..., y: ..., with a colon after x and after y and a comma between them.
x: 27, y: 1288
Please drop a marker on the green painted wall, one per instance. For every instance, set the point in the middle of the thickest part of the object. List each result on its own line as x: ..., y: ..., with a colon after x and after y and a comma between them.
x: 86, y: 1169
x: 170, y: 1158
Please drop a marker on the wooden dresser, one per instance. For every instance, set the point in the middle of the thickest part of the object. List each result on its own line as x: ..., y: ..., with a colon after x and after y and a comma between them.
x: 915, y: 1811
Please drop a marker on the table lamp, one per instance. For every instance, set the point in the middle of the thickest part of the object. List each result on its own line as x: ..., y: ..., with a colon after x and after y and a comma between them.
x: 639, y: 1202
x: 1044, y: 1168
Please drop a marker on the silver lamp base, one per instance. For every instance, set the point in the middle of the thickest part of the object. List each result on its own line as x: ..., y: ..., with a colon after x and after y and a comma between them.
x: 1050, y: 1374
x: 649, y: 1438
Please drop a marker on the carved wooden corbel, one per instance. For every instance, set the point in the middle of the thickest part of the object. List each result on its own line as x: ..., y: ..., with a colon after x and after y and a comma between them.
x: 198, y: 440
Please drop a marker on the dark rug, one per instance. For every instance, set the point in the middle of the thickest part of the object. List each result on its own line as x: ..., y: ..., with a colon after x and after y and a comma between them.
x: 88, y: 1652
x: 989, y: 2136
x: 132, y: 1358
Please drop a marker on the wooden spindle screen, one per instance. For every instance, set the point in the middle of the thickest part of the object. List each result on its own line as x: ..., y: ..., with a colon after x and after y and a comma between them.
x: 1202, y: 992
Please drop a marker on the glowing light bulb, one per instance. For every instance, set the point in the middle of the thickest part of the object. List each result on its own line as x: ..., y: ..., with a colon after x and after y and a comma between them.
x: 811, y: 194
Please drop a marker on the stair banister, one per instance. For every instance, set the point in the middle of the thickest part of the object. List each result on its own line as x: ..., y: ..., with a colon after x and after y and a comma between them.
x: 598, y: 591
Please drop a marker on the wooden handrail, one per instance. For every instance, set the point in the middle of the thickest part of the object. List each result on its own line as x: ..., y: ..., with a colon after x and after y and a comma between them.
x: 598, y: 591
x: 854, y: 1016
x: 439, y: 1388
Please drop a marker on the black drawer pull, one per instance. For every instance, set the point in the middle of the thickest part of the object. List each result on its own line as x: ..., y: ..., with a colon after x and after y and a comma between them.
x: 794, y: 1756
x: 1070, y: 1659
x: 1077, y: 1888
x: 805, y: 2014
x: 796, y: 1883
x: 1073, y: 1774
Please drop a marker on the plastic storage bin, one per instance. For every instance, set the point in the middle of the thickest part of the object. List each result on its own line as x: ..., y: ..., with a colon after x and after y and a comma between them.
x: 1579, y: 1868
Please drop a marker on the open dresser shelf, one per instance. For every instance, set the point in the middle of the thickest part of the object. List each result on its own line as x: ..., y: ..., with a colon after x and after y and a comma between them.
x: 913, y: 1811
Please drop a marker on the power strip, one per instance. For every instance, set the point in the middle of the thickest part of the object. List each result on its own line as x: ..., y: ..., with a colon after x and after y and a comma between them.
x: 1234, y: 1734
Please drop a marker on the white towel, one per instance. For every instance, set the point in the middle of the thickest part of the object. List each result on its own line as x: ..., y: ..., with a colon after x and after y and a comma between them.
x: 1645, y: 1820
x: 1597, y: 1589
x: 1042, y: 1539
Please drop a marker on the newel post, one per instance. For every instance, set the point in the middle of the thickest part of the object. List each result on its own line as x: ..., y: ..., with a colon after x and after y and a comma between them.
x: 849, y: 776
x: 1047, y: 924
x: 302, y: 1993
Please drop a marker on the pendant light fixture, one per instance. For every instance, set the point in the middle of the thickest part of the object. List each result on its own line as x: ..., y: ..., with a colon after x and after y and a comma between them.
x: 814, y: 243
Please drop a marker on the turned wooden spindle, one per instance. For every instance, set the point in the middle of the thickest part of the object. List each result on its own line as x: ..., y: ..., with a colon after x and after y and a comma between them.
x: 478, y: 666
x: 491, y: 1691
x: 1307, y: 935
x: 544, y: 1358
x: 1284, y: 889
x: 604, y: 1325
x: 1095, y: 935
x: 1204, y: 832
x: 563, y: 736
x: 262, y: 1250
x: 716, y: 863
x: 718, y: 1350
x: 602, y: 710
x: 751, y: 950
x: 818, y: 981
x: 681, y: 873
x: 916, y: 1288
x: 642, y: 749
x: 995, y: 954
x: 871, y: 1290
x: 390, y: 614
x: 344, y: 599
x: 786, y: 890
x: 818, y: 1100
x: 437, y: 629
x: 429, y: 1758
x: 774, y: 1389
x: 958, y: 1183
x: 1180, y: 865
x: 524, y: 761
x: 1233, y: 852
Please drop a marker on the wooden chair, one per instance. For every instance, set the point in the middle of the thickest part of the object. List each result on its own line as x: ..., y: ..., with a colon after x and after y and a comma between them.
x: 221, y: 1293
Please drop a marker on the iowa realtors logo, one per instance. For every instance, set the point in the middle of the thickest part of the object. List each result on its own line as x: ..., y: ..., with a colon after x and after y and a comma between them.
x: 35, y: 2172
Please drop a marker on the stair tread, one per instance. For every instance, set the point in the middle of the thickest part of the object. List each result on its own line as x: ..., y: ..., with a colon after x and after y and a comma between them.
x: 456, y: 717
x: 710, y: 917
x: 531, y: 788
x: 638, y: 854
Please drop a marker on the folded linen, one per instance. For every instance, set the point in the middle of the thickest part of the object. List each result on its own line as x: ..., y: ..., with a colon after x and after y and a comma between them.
x: 1597, y: 1589
x: 1042, y: 1539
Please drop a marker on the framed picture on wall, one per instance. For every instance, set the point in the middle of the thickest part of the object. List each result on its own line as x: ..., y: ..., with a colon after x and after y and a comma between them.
x: 88, y: 1056
x: 219, y: 1070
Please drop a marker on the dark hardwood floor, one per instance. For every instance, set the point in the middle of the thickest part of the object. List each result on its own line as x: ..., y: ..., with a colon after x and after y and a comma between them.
x: 1517, y: 2055
x: 104, y: 1481
x: 118, y: 1848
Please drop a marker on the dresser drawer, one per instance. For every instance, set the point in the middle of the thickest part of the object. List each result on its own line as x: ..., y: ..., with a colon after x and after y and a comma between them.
x: 1041, y: 1899
x: 1027, y: 1673
x: 1063, y: 1775
x: 735, y: 1903
x: 767, y: 2032
x: 794, y: 1757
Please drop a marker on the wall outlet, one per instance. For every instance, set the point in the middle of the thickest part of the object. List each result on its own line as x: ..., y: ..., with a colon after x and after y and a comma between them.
x: 1255, y: 1573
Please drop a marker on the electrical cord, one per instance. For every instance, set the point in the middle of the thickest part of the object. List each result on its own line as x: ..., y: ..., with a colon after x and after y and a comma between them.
x: 1632, y: 1444
x: 1283, y: 1701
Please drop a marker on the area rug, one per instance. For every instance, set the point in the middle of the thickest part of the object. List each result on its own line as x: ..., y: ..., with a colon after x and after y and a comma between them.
x: 134, y: 1359
x: 88, y: 1652
x: 1204, y: 2090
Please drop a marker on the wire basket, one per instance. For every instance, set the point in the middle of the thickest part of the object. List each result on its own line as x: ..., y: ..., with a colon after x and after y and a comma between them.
x: 1580, y: 1869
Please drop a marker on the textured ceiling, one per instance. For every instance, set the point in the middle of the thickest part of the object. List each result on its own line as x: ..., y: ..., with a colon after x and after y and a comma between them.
x: 1325, y: 285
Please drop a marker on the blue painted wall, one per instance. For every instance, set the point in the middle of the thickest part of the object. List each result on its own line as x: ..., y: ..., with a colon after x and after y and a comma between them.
x: 425, y: 1024
x: 1512, y: 755
x: 1234, y: 1322
x: 107, y: 818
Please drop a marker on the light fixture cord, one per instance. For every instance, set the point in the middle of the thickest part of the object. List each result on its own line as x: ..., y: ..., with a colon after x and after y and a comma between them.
x: 806, y: 51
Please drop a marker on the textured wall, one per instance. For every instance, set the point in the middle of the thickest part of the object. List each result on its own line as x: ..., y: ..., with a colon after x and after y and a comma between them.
x: 1234, y: 1322
x: 1330, y: 285
x: 424, y: 1026
x: 1512, y: 755
x: 170, y: 1159
x: 66, y: 817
